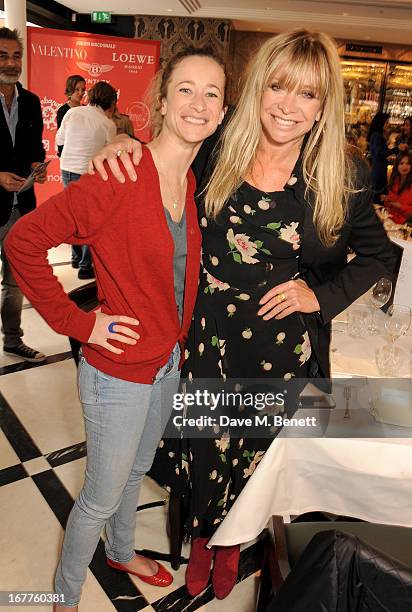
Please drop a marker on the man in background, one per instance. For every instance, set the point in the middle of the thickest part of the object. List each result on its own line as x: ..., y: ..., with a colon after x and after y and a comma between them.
x: 83, y: 132
x: 21, y: 150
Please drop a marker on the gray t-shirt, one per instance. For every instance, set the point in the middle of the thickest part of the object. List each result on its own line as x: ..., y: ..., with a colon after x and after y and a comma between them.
x: 178, y: 231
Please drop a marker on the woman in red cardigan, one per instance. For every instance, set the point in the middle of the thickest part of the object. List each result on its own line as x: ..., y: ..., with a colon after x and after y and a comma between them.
x: 145, y: 242
x: 399, y: 198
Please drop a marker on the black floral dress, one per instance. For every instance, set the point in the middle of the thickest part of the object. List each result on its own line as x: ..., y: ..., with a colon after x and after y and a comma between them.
x: 253, y: 246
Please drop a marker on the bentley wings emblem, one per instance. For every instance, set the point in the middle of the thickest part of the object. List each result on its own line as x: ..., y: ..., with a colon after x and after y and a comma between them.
x: 95, y: 70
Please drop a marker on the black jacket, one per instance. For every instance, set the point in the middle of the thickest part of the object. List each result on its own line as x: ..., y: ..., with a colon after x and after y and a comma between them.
x: 59, y: 118
x: 337, y: 572
x: 335, y: 282
x: 28, y: 149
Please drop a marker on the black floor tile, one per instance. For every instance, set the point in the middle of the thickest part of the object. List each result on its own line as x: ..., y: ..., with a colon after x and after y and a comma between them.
x: 66, y: 455
x: 119, y: 588
x: 12, y: 474
x: 180, y: 600
x: 18, y: 437
x: 25, y: 365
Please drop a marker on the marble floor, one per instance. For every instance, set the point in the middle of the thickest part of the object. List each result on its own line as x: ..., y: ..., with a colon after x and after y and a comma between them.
x: 42, y: 460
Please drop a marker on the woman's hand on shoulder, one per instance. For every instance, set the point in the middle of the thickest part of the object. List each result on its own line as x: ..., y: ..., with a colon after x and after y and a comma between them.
x: 286, y: 298
x: 109, y: 327
x: 118, y: 149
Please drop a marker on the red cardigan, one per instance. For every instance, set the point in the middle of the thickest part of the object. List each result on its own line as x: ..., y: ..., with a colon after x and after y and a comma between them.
x: 132, y: 248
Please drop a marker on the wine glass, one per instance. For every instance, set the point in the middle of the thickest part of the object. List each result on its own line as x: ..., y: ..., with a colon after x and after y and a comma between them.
x: 398, y: 321
x: 379, y: 296
x: 388, y: 359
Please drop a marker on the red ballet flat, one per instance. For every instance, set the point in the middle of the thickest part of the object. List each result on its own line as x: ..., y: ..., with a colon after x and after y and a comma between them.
x: 162, y: 578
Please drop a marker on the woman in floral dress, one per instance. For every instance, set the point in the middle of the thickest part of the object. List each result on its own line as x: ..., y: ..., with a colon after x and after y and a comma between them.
x: 253, y: 246
x: 282, y: 205
x: 274, y: 272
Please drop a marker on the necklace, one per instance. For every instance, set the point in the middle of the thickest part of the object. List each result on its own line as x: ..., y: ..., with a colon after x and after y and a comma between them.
x: 175, y: 203
x: 175, y: 200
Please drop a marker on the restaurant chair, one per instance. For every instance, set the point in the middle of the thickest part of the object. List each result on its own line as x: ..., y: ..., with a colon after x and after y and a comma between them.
x: 296, y: 553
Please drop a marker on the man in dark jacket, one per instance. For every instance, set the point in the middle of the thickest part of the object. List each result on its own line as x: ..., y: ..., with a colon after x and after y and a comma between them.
x: 21, y: 150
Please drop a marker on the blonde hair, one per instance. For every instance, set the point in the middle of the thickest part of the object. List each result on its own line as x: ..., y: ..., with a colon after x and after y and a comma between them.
x: 296, y: 58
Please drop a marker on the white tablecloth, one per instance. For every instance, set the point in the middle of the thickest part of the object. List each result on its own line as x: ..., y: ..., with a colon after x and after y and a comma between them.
x: 370, y: 479
x: 367, y: 478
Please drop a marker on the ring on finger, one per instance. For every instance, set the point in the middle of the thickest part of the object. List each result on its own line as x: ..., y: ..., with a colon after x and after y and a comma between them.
x: 281, y: 297
x: 111, y: 329
x: 119, y: 152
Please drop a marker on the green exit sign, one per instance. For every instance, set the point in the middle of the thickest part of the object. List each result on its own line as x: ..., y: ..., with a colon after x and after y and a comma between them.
x: 101, y: 17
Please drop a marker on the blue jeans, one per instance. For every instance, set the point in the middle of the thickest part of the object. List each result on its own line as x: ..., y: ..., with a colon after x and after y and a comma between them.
x: 80, y: 253
x: 124, y: 424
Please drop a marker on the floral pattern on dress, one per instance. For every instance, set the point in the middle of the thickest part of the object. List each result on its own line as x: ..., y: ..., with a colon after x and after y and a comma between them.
x: 252, y: 246
x: 288, y: 232
x: 215, y: 283
x: 242, y: 248
x: 254, y: 459
x: 304, y: 349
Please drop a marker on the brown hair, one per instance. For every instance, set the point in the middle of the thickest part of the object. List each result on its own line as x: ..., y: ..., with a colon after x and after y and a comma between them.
x: 71, y: 83
x: 158, y: 88
x: 395, y: 174
x: 7, y: 34
x: 102, y: 94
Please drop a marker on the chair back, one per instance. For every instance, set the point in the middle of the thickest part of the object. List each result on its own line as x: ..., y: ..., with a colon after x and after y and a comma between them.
x: 394, y: 541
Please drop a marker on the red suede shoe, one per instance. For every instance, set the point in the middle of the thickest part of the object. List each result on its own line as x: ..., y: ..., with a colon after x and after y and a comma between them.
x: 162, y: 578
x: 225, y: 570
x: 198, y: 569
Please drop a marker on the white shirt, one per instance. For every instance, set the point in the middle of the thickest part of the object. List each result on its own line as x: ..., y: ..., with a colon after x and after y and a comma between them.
x: 83, y: 132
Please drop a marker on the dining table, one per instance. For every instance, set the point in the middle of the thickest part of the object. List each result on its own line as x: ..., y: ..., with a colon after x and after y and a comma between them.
x: 368, y: 479
x: 357, y: 460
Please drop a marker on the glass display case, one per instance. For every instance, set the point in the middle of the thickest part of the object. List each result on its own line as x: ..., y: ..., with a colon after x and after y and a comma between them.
x: 398, y: 93
x: 373, y: 86
x: 363, y: 82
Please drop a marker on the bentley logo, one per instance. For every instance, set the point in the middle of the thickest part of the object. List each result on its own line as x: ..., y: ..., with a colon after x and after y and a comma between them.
x: 95, y: 70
